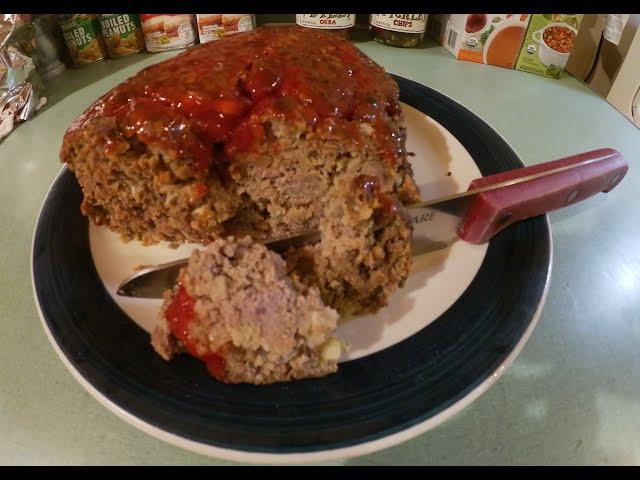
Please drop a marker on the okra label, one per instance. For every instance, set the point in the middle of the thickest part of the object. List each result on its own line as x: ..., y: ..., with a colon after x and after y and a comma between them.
x: 326, y: 20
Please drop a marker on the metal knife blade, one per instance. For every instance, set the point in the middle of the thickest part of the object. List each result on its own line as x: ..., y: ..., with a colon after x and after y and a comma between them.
x: 432, y: 230
x: 152, y: 281
x: 437, y: 221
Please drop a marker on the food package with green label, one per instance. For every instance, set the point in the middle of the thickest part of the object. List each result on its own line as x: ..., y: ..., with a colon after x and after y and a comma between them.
x: 122, y: 33
x: 81, y: 32
x: 489, y: 38
x: 548, y: 43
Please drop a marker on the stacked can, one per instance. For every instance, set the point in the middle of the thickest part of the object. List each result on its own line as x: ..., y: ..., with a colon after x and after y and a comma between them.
x: 122, y: 33
x: 168, y: 31
x: 82, y: 36
x: 214, y: 26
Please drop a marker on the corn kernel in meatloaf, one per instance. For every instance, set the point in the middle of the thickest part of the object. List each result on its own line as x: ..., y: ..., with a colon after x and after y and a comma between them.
x: 235, y: 309
x: 245, y: 134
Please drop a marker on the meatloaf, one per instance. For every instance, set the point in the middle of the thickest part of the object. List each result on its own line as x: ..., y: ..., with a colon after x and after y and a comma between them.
x: 254, y: 319
x: 364, y: 252
x: 235, y: 308
x: 244, y: 135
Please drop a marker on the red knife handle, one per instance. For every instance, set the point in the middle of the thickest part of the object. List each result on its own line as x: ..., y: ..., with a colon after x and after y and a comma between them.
x: 491, y: 211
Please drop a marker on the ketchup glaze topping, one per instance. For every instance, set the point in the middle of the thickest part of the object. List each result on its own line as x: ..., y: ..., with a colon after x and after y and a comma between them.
x: 215, y: 94
x: 369, y: 185
x: 180, y: 313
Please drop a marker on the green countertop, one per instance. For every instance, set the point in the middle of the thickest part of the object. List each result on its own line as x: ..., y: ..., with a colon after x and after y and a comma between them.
x: 571, y: 397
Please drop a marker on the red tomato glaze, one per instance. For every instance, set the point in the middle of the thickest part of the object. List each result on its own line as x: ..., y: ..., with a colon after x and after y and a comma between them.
x: 370, y: 185
x: 180, y: 313
x: 213, y: 94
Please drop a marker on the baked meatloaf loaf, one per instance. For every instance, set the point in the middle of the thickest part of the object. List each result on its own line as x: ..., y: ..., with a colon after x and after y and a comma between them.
x: 241, y: 136
x: 235, y: 308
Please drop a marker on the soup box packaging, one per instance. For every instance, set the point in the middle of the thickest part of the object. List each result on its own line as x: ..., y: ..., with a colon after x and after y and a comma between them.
x: 489, y: 38
x: 548, y: 43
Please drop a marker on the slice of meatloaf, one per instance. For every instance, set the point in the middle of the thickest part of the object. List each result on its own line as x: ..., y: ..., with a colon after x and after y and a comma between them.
x: 235, y: 309
x: 364, y: 254
x: 244, y: 135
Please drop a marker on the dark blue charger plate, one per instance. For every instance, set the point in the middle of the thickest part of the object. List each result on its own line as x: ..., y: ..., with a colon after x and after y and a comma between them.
x: 371, y: 403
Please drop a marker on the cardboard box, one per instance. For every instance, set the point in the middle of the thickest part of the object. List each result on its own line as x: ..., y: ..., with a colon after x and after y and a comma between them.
x: 548, y: 43
x: 489, y: 38
x: 616, y: 72
x: 585, y: 49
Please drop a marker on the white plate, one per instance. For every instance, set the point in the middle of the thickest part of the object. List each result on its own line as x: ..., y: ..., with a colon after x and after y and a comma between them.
x: 401, y: 378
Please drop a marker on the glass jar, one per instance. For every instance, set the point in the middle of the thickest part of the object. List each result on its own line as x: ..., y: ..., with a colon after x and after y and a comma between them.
x: 338, y: 23
x: 398, y: 29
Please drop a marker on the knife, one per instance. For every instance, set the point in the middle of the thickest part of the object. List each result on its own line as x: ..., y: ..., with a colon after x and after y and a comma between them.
x: 489, y: 205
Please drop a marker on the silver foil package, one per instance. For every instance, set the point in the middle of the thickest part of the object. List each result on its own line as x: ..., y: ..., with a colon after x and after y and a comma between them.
x: 21, y: 88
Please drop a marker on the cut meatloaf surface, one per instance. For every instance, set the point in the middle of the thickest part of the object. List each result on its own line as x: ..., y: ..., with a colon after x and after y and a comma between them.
x: 243, y: 135
x: 252, y: 318
x: 235, y: 308
x: 364, y: 253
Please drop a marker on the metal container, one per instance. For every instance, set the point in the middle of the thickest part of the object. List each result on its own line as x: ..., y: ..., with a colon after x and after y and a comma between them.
x: 164, y: 32
x: 214, y: 26
x: 122, y: 33
x: 52, y: 54
x: 82, y: 36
